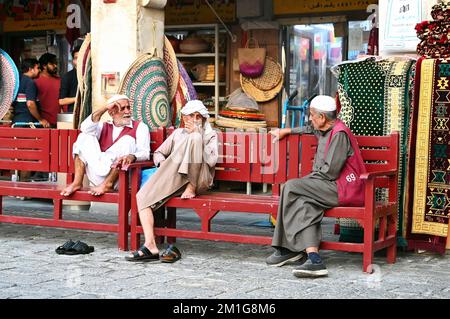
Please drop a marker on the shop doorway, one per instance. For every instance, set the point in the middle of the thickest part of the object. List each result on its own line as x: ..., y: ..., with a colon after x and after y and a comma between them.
x: 311, y: 51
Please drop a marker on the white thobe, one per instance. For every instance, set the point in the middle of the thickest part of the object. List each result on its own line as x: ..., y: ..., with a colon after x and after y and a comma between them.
x: 98, y: 163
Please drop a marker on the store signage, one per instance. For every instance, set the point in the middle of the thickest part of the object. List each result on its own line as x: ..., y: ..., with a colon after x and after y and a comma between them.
x: 400, y: 20
x: 286, y: 7
x: 33, y: 15
x: 198, y: 12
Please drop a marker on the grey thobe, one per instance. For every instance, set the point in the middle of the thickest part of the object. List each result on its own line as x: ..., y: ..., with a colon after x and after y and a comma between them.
x: 183, y: 158
x: 303, y: 200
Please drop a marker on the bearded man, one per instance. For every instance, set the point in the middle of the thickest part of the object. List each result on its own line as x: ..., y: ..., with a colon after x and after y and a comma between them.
x: 102, y: 148
x: 48, y: 84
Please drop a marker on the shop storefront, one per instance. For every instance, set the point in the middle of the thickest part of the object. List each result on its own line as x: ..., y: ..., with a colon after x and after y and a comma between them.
x: 36, y: 27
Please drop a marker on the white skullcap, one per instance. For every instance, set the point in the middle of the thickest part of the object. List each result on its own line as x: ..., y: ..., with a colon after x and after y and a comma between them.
x: 116, y: 98
x: 323, y: 103
x: 195, y: 106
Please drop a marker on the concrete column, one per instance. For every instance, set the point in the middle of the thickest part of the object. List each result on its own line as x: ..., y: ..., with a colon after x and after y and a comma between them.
x: 120, y: 32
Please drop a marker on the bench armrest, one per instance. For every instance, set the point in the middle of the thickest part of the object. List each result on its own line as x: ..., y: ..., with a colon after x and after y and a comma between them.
x: 372, y: 175
x: 139, y: 164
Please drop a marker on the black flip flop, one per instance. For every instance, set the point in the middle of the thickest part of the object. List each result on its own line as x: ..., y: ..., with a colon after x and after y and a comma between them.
x: 79, y: 248
x: 147, y: 255
x: 61, y: 250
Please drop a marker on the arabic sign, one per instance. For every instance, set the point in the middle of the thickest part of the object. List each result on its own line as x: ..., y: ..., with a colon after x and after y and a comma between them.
x: 33, y: 15
x: 283, y: 7
x: 401, y: 18
x: 198, y: 12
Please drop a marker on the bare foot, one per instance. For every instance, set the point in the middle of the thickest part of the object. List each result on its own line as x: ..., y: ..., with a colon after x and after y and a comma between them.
x: 72, y: 188
x: 189, y: 192
x: 100, y: 190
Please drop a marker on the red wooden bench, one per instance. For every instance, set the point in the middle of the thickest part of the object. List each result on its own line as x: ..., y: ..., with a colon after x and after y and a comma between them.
x: 46, y: 150
x: 251, y: 157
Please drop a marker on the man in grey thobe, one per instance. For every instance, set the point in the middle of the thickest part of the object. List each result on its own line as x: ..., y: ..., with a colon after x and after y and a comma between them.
x: 303, y: 200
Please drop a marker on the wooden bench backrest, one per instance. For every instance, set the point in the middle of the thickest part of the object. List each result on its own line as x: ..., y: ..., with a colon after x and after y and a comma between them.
x: 380, y: 153
x: 250, y: 157
x: 25, y: 149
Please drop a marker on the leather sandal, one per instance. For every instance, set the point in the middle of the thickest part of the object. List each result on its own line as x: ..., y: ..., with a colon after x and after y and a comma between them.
x: 170, y: 255
x: 79, y: 248
x: 61, y: 250
x: 146, y: 255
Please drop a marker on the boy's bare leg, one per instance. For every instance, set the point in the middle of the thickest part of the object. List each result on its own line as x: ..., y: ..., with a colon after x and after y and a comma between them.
x: 80, y: 170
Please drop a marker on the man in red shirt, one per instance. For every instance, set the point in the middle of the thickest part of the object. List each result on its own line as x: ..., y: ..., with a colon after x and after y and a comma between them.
x: 48, y: 85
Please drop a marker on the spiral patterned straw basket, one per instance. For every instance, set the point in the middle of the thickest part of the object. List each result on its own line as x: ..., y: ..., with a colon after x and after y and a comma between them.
x: 173, y: 74
x: 145, y: 83
x: 9, y: 82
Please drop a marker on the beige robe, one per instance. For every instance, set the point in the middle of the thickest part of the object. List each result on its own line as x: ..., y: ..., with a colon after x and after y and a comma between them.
x: 183, y: 158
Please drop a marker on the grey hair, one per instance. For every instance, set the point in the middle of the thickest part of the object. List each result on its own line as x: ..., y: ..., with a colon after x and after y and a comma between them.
x: 330, y: 116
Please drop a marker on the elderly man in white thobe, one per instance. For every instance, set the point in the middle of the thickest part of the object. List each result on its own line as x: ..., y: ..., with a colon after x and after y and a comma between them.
x: 103, y: 147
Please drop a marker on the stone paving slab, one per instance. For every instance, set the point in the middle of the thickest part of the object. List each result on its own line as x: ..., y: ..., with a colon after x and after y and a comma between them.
x: 29, y: 267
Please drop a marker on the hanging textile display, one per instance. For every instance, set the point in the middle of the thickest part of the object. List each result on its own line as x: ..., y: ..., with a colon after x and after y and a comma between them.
x: 435, y: 35
x: 374, y: 99
x: 431, y: 197
x: 145, y: 83
x: 9, y: 82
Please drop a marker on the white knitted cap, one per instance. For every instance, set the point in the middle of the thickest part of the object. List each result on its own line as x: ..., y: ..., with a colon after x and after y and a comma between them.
x: 116, y: 98
x: 323, y: 103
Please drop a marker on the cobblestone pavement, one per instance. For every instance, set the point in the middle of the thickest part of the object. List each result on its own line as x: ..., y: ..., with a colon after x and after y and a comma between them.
x: 30, y: 268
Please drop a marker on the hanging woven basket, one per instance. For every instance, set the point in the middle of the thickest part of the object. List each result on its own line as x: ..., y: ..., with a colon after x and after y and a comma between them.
x: 9, y: 82
x: 145, y: 83
x: 258, y: 94
x: 170, y: 61
x: 270, y: 77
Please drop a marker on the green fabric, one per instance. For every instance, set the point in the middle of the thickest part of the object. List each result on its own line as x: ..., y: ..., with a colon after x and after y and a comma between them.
x: 374, y: 98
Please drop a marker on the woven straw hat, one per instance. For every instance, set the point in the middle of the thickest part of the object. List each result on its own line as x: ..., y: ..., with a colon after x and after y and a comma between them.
x: 268, y: 85
x: 258, y: 94
x: 237, y: 123
x: 9, y: 82
x: 145, y: 83
x: 173, y: 75
x: 270, y: 77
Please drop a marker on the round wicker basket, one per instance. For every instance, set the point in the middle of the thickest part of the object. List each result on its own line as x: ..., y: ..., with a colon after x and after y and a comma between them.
x: 258, y: 94
x: 270, y: 77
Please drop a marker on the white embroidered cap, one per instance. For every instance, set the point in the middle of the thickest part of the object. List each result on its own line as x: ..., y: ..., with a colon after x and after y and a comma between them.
x: 323, y: 103
x: 195, y: 106
x: 116, y: 98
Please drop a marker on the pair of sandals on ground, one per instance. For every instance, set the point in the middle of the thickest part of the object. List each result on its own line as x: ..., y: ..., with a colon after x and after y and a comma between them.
x: 170, y: 255
x: 74, y: 248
